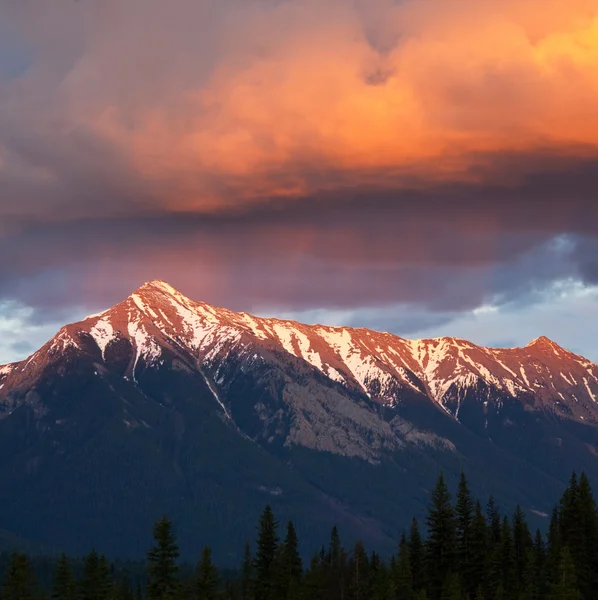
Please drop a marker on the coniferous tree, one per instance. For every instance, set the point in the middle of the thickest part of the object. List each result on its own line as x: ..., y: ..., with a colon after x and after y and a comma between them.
x: 416, y: 555
x: 404, y: 578
x: 554, y: 547
x: 452, y: 587
x: 479, y: 553
x: 586, y: 557
x: 206, y: 577
x: 122, y: 590
x: 359, y: 573
x: 382, y: 588
x: 464, y: 508
x: 19, y: 581
x: 494, y: 522
x: 441, y: 542
x: 565, y: 586
x: 507, y: 559
x: 522, y: 545
x: 247, y: 576
x: 293, y: 566
x: 63, y: 584
x: 314, y: 582
x: 95, y: 582
x: 267, y: 546
x: 163, y: 570
x: 333, y: 568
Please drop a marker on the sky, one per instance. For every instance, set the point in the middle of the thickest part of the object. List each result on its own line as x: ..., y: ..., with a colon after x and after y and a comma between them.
x: 425, y: 167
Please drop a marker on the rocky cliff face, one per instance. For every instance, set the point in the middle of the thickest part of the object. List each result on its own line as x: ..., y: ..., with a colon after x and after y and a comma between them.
x: 142, y: 401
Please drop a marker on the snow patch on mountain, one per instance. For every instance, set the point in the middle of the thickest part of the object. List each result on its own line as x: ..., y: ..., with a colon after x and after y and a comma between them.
x: 103, y: 333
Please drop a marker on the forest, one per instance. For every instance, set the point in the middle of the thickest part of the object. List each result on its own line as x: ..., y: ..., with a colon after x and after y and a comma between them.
x: 463, y: 551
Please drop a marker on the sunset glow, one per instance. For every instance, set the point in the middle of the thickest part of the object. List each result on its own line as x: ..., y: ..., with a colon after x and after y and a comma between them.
x: 299, y: 155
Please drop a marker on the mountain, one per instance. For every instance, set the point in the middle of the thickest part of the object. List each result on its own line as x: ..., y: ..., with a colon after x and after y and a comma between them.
x: 165, y: 405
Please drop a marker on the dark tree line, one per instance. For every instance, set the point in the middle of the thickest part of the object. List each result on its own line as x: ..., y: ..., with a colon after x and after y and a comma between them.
x: 466, y: 551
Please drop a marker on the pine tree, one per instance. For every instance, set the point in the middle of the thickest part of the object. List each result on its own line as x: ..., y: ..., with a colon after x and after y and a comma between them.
x: 206, y: 577
x: 464, y: 522
x: 479, y: 552
x: 586, y: 556
x: 163, y: 570
x: 95, y: 583
x: 123, y: 590
x: 522, y: 543
x: 404, y: 579
x: 314, y: 582
x: 359, y: 573
x: 334, y: 548
x: 451, y: 589
x: 536, y: 571
x: 247, y: 578
x: 382, y: 588
x: 289, y: 567
x: 416, y: 555
x: 293, y: 558
x: 267, y: 546
x: 19, y: 580
x: 565, y: 587
x: 507, y: 559
x: 440, y: 545
x: 63, y: 585
x: 554, y: 547
x: 494, y: 522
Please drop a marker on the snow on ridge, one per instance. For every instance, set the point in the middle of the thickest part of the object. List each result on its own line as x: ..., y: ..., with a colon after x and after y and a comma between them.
x: 145, y: 346
x: 5, y: 369
x: 590, y: 392
x: 103, y: 333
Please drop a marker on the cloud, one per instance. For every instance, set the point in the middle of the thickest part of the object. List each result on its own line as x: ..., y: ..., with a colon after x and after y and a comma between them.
x: 297, y: 154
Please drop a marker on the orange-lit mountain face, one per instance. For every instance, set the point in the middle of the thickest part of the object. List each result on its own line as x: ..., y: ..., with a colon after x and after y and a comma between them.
x: 157, y: 320
x: 164, y: 404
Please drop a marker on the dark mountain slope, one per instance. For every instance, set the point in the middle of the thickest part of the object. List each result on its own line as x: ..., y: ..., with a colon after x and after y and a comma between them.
x: 165, y: 405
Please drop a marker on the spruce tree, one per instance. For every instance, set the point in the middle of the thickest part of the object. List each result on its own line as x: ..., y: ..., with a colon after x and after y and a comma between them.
x: 555, y: 546
x: 382, y: 588
x: 247, y: 576
x: 291, y: 564
x: 479, y: 552
x: 267, y: 546
x: 464, y: 521
x: 122, y: 590
x: 359, y: 573
x: 586, y: 557
x: 441, y: 542
x: 206, y: 577
x: 95, y: 583
x: 507, y: 559
x: 494, y: 522
x: 63, y: 584
x: 163, y: 570
x: 565, y: 586
x: 404, y: 580
x: 451, y: 589
x: 19, y: 580
x: 416, y: 555
x: 522, y: 543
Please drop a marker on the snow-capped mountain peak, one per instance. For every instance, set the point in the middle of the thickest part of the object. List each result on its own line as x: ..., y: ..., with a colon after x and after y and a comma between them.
x: 158, y: 318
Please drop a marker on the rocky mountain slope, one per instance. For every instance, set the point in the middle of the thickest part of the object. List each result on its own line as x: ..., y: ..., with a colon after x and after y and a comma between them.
x: 165, y: 404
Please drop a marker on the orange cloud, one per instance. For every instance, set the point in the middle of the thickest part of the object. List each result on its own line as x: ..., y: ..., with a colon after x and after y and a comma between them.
x: 221, y: 103
x: 304, y: 88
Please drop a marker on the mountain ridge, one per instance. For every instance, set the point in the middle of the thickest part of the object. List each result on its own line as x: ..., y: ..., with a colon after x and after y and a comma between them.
x: 346, y: 355
x: 161, y: 404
